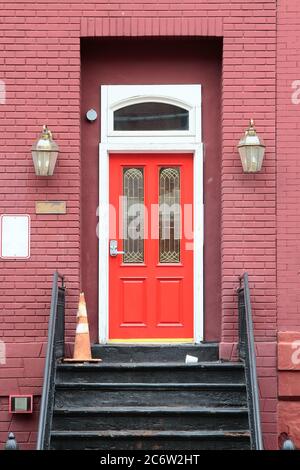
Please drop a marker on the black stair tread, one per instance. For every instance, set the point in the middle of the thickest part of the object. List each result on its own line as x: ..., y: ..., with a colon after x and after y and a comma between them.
x: 147, y: 385
x: 150, y: 400
x: 152, y: 434
x: 207, y: 344
x: 153, y: 409
x: 154, y: 352
x: 154, y: 365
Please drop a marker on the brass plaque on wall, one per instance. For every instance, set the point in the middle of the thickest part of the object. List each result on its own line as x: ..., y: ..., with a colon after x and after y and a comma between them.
x: 50, y: 207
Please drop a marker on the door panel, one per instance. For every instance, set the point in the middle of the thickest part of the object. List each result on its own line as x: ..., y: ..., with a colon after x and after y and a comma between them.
x: 151, y: 283
x: 169, y: 308
x: 133, y: 289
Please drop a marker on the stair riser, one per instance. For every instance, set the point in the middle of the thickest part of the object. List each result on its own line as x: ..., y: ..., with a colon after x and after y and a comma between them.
x: 167, y: 422
x: 149, y: 375
x: 130, y: 397
x: 149, y: 443
x: 172, y: 353
x: 128, y: 404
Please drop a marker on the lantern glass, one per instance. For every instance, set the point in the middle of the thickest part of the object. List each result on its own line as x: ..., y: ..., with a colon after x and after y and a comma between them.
x: 252, y: 157
x: 252, y: 150
x: 44, y: 154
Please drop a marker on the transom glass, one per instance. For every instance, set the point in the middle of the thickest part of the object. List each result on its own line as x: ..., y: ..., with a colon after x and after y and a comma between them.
x: 151, y: 116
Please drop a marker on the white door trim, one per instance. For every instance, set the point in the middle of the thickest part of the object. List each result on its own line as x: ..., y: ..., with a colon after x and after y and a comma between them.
x: 146, y: 144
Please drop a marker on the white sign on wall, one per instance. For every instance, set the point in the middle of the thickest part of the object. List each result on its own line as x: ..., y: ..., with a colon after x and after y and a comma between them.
x: 15, y: 236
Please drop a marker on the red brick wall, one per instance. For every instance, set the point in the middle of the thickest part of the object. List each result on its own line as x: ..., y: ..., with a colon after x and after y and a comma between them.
x: 249, y: 202
x: 288, y: 169
x: 288, y: 217
x: 289, y: 385
x: 40, y: 64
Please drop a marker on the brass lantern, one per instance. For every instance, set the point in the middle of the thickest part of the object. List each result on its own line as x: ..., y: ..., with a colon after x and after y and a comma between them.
x: 44, y: 153
x: 252, y: 150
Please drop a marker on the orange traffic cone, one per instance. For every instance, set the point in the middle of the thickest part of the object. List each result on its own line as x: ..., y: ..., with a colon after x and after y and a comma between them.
x: 82, y: 347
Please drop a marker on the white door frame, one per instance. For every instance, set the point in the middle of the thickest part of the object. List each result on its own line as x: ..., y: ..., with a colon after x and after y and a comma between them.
x: 117, y: 96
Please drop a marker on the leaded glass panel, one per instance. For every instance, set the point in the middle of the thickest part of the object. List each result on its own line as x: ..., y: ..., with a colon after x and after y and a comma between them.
x: 133, y: 215
x: 169, y: 215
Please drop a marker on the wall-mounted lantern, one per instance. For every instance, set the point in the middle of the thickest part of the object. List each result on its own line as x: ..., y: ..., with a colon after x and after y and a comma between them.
x: 44, y: 153
x: 252, y: 150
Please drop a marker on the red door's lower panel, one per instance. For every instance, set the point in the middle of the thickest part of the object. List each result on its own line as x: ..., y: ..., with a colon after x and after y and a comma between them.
x: 151, y: 283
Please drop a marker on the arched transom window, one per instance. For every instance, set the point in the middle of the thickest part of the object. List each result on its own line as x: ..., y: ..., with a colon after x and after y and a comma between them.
x: 158, y: 112
x: 151, y: 116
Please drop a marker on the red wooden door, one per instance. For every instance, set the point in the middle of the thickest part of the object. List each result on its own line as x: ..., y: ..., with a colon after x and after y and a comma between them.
x: 151, y: 283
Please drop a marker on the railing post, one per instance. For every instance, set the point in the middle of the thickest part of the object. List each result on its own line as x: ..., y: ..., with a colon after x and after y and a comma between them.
x: 248, y: 356
x: 241, y: 320
x: 55, y: 350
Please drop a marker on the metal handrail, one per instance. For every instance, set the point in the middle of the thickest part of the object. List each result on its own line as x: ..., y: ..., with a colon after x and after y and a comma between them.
x: 55, y: 350
x: 248, y: 356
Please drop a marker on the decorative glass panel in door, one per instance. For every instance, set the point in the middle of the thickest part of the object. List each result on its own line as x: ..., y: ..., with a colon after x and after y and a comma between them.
x: 133, y: 215
x: 169, y: 215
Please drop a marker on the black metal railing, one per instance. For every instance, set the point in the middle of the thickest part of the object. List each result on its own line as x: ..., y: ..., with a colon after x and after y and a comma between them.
x: 248, y: 356
x: 55, y: 351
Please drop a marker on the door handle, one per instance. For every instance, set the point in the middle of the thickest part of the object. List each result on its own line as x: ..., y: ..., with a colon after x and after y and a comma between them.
x: 113, y: 248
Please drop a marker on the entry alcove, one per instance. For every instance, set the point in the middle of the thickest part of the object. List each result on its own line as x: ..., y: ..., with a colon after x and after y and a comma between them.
x: 153, y: 61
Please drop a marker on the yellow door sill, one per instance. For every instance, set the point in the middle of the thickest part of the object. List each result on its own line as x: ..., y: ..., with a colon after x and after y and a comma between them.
x: 152, y: 340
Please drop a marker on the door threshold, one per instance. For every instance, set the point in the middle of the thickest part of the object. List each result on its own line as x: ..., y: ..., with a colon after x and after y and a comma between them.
x: 152, y: 341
